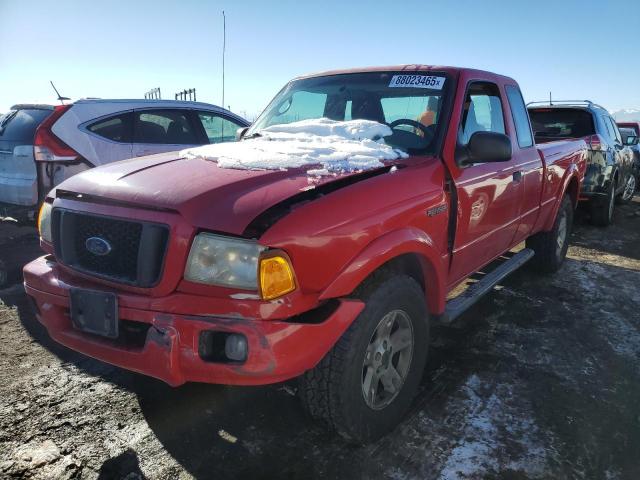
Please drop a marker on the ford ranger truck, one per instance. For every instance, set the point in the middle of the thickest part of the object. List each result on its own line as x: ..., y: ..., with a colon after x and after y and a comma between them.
x: 252, y: 265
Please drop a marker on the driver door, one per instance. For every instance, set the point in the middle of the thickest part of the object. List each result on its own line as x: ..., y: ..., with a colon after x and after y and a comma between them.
x: 489, y: 194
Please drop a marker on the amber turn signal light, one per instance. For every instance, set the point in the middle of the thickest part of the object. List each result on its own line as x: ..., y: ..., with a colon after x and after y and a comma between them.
x: 276, y: 275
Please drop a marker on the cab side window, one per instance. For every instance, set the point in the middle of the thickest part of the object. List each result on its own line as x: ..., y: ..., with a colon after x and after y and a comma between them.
x: 482, y: 111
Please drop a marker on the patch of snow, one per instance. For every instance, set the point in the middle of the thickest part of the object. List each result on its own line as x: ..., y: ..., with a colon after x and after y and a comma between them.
x: 622, y: 333
x: 330, y: 146
x: 478, y: 452
x: 227, y: 436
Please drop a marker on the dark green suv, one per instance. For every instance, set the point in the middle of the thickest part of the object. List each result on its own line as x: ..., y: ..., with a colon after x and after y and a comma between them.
x: 609, y: 177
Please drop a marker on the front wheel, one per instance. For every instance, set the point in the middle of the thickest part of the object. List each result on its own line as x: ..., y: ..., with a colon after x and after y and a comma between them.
x: 551, y: 247
x: 363, y: 387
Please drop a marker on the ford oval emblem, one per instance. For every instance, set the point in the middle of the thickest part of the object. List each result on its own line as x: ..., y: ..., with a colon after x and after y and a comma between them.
x: 98, y: 246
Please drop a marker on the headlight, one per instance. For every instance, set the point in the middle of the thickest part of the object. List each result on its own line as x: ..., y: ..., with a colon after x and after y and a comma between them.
x: 225, y: 261
x: 44, y: 222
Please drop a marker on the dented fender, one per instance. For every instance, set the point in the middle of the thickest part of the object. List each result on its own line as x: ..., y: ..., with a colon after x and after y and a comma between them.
x: 387, y: 247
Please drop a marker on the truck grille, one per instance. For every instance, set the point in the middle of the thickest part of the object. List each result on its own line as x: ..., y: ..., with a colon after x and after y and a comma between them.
x: 120, y: 250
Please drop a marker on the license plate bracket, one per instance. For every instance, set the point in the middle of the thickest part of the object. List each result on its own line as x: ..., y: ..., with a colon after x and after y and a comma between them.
x: 94, y: 312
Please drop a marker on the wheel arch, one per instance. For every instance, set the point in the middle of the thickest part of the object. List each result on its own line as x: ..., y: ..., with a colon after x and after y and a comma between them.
x: 571, y: 187
x: 573, y: 190
x: 410, y: 251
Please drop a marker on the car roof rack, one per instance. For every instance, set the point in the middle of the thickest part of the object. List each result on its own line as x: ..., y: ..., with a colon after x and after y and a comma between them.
x: 551, y: 103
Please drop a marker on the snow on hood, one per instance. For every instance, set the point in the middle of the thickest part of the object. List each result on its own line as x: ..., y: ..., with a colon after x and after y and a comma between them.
x: 330, y: 145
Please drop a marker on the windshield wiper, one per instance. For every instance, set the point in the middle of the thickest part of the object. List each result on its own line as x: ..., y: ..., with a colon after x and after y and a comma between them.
x: 253, y: 135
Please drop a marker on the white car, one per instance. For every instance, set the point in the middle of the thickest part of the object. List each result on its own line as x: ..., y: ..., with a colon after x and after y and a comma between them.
x: 88, y: 133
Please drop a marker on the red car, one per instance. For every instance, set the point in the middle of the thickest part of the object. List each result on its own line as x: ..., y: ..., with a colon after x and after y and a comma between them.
x: 634, y: 125
x: 322, y: 245
x: 628, y: 131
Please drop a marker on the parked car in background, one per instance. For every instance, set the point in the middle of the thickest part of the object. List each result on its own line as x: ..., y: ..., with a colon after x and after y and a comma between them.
x: 633, y: 125
x: 88, y: 133
x: 18, y: 176
x: 609, y: 174
x: 285, y: 258
x: 629, y: 130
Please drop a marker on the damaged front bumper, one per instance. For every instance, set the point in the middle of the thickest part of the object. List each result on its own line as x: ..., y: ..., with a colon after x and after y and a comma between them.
x: 171, y: 345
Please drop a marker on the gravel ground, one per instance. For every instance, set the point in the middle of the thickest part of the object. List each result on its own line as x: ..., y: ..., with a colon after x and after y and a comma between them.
x: 540, y: 380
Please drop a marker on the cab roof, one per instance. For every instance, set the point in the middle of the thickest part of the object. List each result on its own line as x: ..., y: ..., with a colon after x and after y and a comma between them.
x: 453, y: 72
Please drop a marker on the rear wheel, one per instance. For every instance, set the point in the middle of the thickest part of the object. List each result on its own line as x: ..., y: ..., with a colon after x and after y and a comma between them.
x: 628, y: 191
x: 363, y: 387
x: 4, y: 275
x: 551, y: 247
x: 602, y: 208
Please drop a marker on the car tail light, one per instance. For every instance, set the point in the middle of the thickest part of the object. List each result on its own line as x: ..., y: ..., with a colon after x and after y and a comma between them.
x: 47, y: 147
x: 596, y: 142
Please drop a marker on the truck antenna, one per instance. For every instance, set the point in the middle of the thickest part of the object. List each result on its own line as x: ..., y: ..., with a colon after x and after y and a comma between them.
x: 61, y: 98
x: 550, y: 102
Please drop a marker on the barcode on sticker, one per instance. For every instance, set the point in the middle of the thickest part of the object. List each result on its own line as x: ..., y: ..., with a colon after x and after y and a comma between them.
x: 417, y: 81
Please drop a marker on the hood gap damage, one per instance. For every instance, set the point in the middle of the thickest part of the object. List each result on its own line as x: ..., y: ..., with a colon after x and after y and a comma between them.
x: 271, y: 215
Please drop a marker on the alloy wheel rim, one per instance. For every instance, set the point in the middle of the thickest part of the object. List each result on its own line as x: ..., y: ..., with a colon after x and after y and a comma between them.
x: 629, y: 188
x: 611, y: 202
x: 387, y: 359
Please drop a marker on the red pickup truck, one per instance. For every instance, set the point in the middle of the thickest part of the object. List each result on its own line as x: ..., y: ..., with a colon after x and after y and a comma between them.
x: 321, y: 245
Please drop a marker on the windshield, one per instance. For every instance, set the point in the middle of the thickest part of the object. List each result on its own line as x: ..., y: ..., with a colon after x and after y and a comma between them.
x: 409, y: 103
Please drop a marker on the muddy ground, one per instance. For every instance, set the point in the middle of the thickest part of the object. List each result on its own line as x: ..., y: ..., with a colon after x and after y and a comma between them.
x: 540, y: 380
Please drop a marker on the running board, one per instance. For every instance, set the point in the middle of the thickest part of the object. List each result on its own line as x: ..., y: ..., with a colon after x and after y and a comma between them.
x: 458, y: 305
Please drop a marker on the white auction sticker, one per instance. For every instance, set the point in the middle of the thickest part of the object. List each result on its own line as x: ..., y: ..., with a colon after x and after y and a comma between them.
x: 417, y: 81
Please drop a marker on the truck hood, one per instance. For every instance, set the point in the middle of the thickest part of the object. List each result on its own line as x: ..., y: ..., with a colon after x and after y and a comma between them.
x: 207, y: 196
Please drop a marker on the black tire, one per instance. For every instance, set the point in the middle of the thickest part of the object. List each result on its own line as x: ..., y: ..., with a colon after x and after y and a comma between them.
x: 551, y: 247
x: 628, y: 191
x: 333, y: 390
x: 4, y: 275
x: 602, y: 207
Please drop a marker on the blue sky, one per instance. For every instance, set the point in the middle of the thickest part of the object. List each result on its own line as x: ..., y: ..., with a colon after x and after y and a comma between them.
x: 121, y: 49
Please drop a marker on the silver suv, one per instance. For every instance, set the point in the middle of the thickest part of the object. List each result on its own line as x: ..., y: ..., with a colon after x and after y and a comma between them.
x: 42, y: 145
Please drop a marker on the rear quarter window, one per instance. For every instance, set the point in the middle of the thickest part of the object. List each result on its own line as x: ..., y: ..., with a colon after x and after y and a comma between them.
x: 520, y: 117
x: 20, y: 126
x: 116, y: 128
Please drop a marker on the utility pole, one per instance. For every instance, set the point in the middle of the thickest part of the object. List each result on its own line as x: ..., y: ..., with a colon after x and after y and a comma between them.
x: 224, y: 48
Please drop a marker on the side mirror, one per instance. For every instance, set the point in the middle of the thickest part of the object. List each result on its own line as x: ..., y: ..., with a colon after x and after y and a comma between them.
x: 240, y: 132
x: 484, y: 147
x: 631, y: 140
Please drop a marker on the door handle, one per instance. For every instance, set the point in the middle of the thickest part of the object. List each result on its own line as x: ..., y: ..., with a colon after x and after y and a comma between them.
x: 517, y: 176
